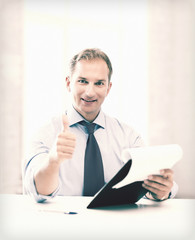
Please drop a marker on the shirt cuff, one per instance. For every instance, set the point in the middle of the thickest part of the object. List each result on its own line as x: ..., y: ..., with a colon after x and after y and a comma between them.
x: 174, y: 190
x: 43, y: 198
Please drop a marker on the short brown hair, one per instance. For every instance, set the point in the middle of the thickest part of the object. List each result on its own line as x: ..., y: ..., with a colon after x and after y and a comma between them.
x: 90, y: 54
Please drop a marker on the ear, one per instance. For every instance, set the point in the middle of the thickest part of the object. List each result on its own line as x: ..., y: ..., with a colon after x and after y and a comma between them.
x: 109, y: 87
x: 68, y: 83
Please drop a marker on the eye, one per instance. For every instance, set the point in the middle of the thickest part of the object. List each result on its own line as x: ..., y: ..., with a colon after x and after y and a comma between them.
x: 99, y: 83
x: 82, y: 81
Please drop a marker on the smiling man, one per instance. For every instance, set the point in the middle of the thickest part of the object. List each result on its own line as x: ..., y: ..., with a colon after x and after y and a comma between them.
x: 77, y: 153
x: 89, y: 84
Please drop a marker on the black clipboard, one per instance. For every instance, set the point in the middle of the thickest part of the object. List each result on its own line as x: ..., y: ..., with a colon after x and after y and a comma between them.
x: 128, y: 194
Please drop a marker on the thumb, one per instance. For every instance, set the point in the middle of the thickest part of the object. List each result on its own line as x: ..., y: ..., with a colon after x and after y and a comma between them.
x: 65, y: 122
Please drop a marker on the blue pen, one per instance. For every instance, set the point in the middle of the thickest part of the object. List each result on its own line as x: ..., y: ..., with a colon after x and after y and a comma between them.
x: 70, y: 212
x: 57, y: 211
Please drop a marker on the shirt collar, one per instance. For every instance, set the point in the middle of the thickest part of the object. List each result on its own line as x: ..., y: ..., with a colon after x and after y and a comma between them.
x: 74, y: 117
x: 100, y: 119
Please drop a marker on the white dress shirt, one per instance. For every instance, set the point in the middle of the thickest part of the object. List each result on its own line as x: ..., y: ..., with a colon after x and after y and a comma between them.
x: 112, y: 137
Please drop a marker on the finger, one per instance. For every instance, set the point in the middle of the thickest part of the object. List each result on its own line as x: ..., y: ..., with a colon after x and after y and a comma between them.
x: 156, y: 193
x: 155, y: 189
x: 66, y: 137
x: 63, y: 156
x: 158, y: 179
x: 65, y: 123
x: 67, y: 143
x: 64, y: 149
x: 158, y: 185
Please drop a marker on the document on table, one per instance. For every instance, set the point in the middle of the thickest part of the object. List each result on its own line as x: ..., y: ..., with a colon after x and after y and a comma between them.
x: 149, y: 160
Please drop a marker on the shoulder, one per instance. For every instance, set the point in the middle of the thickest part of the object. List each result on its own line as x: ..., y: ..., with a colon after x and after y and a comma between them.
x: 118, y: 124
x: 49, y: 129
x: 124, y: 130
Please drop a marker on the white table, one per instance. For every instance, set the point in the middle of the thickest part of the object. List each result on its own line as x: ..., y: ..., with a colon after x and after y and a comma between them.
x: 22, y: 218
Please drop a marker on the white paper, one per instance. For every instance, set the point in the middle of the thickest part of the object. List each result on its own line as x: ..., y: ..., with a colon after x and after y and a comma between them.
x: 149, y: 160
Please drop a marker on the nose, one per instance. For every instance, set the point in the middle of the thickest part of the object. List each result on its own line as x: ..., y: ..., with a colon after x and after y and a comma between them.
x: 90, y: 91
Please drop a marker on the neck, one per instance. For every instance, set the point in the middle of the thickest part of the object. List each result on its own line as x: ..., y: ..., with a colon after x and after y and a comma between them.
x: 88, y: 117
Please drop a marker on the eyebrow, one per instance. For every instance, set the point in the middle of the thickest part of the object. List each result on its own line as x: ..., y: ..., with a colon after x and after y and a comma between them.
x: 99, y: 80
x: 82, y: 78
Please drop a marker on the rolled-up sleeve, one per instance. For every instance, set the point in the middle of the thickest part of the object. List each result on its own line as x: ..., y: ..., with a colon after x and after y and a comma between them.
x: 29, y: 182
x: 38, y: 150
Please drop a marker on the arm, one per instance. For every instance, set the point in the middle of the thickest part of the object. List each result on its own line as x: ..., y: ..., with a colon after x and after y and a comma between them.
x: 46, y: 176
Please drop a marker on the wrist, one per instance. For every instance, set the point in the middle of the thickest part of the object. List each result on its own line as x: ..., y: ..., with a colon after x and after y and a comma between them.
x: 53, y: 163
x: 151, y: 196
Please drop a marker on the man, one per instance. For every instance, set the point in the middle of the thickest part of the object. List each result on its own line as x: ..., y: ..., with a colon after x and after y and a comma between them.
x: 55, y: 165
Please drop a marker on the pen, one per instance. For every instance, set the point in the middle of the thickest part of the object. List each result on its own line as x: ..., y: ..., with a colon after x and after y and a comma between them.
x: 57, y: 211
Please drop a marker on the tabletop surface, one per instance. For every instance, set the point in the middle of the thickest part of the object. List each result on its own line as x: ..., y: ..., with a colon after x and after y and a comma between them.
x: 69, y: 218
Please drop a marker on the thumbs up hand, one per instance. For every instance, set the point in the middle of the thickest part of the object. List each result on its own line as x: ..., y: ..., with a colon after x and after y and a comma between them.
x: 66, y: 142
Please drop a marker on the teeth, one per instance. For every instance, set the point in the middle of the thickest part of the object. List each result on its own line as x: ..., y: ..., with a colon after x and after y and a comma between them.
x: 89, y: 100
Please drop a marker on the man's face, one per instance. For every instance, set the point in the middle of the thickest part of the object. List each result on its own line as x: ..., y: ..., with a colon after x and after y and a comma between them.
x: 89, y: 85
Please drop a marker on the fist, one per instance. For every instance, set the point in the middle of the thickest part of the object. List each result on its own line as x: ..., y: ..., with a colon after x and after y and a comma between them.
x: 66, y: 142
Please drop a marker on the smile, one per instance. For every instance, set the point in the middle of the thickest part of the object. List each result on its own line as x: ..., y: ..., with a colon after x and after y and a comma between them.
x: 88, y: 101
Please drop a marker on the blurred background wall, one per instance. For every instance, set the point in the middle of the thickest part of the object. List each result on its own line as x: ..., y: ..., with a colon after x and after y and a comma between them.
x: 171, y: 83
x: 11, y: 94
x: 151, y: 46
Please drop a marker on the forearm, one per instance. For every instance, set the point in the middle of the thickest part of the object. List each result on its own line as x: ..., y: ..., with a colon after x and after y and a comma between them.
x: 47, y: 177
x: 41, y: 174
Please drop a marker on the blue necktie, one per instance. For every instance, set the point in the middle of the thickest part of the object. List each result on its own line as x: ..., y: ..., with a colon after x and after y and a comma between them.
x: 93, y: 166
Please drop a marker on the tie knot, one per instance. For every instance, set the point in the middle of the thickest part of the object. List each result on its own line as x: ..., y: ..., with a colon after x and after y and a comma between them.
x: 90, y: 126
